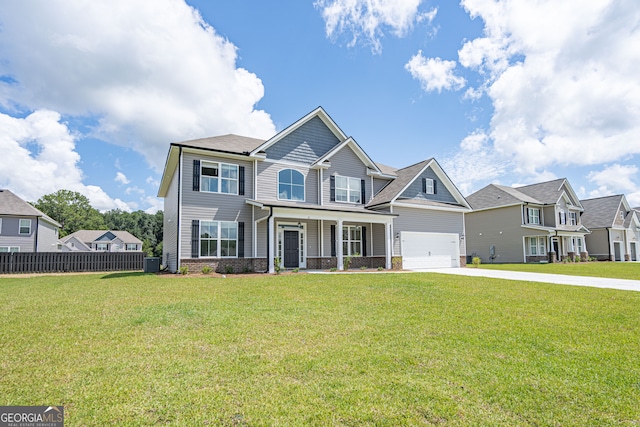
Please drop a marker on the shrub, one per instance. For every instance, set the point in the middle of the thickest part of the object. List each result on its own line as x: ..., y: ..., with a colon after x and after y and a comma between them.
x: 476, y: 261
x: 206, y: 269
x: 295, y: 270
x: 363, y: 267
x: 333, y: 269
x: 346, y: 262
x: 228, y: 269
x: 277, y: 266
x: 184, y: 270
x: 380, y: 268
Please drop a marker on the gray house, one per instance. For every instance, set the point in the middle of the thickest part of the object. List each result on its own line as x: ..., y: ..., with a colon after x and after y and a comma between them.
x: 24, y: 228
x: 309, y: 197
x: 615, y: 228
x: 533, y: 223
x: 101, y: 241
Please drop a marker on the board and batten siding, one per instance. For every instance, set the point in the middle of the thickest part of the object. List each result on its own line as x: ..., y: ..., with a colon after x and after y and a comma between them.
x: 414, y: 191
x: 47, y: 236
x: 10, y: 234
x: 427, y: 221
x: 345, y: 163
x: 501, y: 228
x: 268, y: 181
x: 170, y: 226
x: 205, y: 206
x: 306, y: 144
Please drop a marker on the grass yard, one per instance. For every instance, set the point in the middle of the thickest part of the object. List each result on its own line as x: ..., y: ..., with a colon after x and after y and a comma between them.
x: 614, y: 270
x: 380, y: 349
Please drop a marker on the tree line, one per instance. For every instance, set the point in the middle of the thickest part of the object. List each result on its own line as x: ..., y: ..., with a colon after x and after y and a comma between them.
x: 74, y: 212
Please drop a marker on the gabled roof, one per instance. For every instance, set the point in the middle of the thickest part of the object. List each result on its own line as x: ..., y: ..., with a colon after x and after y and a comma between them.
x: 10, y: 204
x: 550, y: 192
x: 406, y: 176
x: 351, y: 143
x: 230, y: 143
x: 318, y: 112
x: 88, y: 236
x: 386, y: 170
x: 601, y: 212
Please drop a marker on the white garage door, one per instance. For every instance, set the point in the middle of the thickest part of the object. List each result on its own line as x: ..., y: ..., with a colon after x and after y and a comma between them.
x: 429, y: 250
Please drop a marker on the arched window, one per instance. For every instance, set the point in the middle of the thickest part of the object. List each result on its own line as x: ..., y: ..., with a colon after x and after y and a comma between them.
x: 290, y: 185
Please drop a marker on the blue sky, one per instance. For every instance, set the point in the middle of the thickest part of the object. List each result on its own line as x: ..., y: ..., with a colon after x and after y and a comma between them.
x: 509, y: 92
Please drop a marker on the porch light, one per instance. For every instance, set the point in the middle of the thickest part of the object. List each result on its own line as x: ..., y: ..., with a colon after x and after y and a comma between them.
x: 299, y: 225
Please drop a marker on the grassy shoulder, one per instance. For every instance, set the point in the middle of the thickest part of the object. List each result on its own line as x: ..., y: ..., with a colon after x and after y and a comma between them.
x: 614, y: 270
x: 384, y: 349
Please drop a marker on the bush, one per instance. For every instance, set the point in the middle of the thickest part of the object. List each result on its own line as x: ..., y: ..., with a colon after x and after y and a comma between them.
x: 380, y: 268
x: 206, y: 269
x: 346, y: 262
x: 184, y: 270
x: 277, y: 266
x: 476, y: 261
x: 228, y: 269
x: 333, y: 269
x: 363, y: 267
x: 295, y: 270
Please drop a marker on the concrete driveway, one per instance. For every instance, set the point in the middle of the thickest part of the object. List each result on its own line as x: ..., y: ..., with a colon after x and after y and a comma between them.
x: 560, y: 279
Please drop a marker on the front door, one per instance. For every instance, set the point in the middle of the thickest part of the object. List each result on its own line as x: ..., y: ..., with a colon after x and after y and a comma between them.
x: 634, y: 252
x: 291, y: 254
x: 617, y: 251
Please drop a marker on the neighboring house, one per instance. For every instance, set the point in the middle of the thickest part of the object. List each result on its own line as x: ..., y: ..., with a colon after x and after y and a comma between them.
x: 533, y: 223
x: 309, y: 197
x: 23, y: 228
x: 615, y: 228
x: 101, y: 241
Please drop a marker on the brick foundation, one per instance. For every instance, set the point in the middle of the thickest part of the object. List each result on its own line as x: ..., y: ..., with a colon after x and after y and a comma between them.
x: 463, y: 260
x: 227, y: 265
x: 537, y: 258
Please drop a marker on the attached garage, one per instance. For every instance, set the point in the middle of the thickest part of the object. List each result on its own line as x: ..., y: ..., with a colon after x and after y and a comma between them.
x: 429, y: 250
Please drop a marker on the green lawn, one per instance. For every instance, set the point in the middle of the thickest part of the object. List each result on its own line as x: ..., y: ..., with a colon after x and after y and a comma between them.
x: 379, y: 349
x: 615, y: 270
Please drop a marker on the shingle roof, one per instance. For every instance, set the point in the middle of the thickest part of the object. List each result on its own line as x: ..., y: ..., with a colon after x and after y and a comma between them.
x: 387, y: 170
x: 600, y: 212
x: 493, y: 195
x: 227, y: 143
x: 547, y: 192
x: 10, y: 204
x: 88, y: 236
x: 404, y: 177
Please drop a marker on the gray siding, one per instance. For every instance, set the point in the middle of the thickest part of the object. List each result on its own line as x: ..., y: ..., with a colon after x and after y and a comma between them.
x: 379, y: 184
x: 429, y: 221
x: 499, y: 227
x: 213, y: 206
x: 262, y: 238
x: 598, y: 242
x: 378, y: 239
x: 170, y: 226
x: 10, y: 234
x: 345, y: 163
x: 414, y: 191
x: 268, y: 181
x: 306, y: 144
x: 47, y: 237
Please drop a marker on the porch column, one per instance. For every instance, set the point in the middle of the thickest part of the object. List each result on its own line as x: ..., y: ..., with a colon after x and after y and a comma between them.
x: 339, y: 244
x: 389, y: 245
x: 272, y: 245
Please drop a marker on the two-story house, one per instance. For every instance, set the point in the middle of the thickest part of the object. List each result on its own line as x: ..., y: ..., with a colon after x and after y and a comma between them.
x: 309, y: 197
x: 101, y: 241
x: 23, y: 228
x: 614, y: 226
x: 533, y: 223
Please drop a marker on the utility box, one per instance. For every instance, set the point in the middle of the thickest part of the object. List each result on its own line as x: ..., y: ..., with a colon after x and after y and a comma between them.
x: 151, y: 265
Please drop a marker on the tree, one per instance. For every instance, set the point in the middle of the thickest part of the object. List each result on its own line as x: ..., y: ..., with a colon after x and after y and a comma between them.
x: 72, y: 210
x: 144, y: 226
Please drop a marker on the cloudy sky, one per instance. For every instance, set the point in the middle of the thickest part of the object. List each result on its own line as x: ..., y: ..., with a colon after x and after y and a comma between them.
x: 503, y: 91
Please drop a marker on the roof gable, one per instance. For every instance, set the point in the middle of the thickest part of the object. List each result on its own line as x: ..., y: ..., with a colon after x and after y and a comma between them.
x: 357, y: 150
x: 601, y: 212
x: 10, y: 204
x: 551, y: 192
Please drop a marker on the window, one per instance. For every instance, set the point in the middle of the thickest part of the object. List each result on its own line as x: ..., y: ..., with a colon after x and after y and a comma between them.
x: 428, y: 186
x: 534, y: 215
x: 219, y: 178
x: 0, y: 225
x: 577, y: 244
x: 573, y: 218
x: 351, y: 240
x: 537, y: 246
x: 9, y: 249
x: 348, y: 190
x: 563, y: 217
x: 102, y: 247
x: 218, y: 239
x: 131, y: 247
x: 290, y: 185
x: 25, y: 226
x: 622, y: 215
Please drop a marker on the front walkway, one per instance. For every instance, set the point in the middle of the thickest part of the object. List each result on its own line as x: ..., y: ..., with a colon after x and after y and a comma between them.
x: 559, y: 279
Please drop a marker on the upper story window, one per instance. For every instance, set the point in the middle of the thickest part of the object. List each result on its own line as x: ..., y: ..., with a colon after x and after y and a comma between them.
x: 131, y: 247
x: 622, y: 215
x: 563, y: 217
x: 348, y: 190
x: 25, y: 226
x: 290, y: 185
x: 9, y: 249
x: 428, y: 186
x: 102, y: 246
x: 534, y: 215
x: 216, y: 177
x: 573, y: 218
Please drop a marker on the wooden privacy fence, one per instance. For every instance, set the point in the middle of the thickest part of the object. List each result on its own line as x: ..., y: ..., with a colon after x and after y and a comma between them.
x: 50, y: 262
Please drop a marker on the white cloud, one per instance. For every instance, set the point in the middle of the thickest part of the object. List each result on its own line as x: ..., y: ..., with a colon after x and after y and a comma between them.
x: 614, y: 179
x: 154, y: 204
x: 148, y: 73
x: 368, y: 19
x: 152, y: 181
x: 121, y: 178
x: 562, y: 76
x: 434, y: 73
x: 39, y: 157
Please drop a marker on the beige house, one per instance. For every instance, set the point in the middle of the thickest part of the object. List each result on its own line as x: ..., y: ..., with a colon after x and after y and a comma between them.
x: 615, y: 228
x: 534, y: 223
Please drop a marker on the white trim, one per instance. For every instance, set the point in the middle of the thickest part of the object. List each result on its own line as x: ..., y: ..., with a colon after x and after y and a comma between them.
x: 217, y: 239
x: 348, y: 189
x: 20, y: 233
x: 289, y: 163
x: 435, y: 208
x: 302, y: 252
x: 304, y: 185
x: 219, y: 178
x: 357, y: 150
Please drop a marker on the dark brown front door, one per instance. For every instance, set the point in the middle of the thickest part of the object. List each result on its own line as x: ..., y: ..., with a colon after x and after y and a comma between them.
x: 291, y: 256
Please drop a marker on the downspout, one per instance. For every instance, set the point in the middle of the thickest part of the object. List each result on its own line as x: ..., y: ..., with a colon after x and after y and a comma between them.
x: 35, y: 235
x: 179, y: 210
x: 609, y: 243
x: 269, y: 231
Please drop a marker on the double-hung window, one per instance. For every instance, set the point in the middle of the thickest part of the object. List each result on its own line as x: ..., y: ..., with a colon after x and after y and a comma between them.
x: 348, y: 190
x: 534, y: 215
x: 102, y: 247
x: 537, y: 246
x: 351, y: 240
x: 216, y: 177
x: 131, y: 247
x: 9, y: 249
x: 428, y: 186
x: 563, y: 217
x: 25, y: 227
x: 218, y: 239
x: 573, y: 218
x: 290, y: 185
